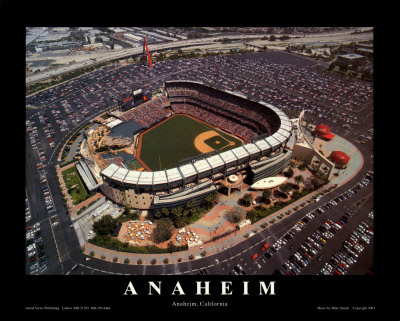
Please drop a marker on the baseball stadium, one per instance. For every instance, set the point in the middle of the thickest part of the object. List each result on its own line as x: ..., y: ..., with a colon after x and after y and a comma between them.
x: 184, y: 143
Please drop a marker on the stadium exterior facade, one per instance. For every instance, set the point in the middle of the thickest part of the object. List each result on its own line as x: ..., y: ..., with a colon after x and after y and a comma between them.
x: 266, y: 155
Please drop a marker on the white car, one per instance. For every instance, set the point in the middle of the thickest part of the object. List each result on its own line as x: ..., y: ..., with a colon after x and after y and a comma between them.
x: 31, y: 247
x: 31, y: 253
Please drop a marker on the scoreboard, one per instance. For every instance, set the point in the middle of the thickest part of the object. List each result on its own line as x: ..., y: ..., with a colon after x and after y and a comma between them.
x: 136, y: 98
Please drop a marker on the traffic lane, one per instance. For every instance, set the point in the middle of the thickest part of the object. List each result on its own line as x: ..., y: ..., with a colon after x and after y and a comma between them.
x: 35, y: 194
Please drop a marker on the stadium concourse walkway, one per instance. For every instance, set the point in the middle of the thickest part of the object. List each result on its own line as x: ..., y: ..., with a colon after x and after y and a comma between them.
x: 232, y: 238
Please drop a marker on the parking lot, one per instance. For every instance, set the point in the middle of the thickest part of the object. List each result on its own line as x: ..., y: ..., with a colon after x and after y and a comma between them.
x: 281, y: 79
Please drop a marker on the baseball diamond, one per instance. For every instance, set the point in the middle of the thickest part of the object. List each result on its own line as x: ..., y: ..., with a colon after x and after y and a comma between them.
x: 180, y: 137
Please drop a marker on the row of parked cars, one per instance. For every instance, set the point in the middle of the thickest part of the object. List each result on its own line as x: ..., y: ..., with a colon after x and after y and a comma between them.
x: 237, y: 270
x: 46, y: 192
x: 350, y: 251
x: 27, y: 209
x: 366, y: 137
x: 37, y: 261
x: 33, y: 134
x: 47, y: 128
x: 59, y: 118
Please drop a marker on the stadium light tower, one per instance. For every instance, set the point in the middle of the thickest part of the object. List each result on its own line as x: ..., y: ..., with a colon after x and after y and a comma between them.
x: 146, y: 54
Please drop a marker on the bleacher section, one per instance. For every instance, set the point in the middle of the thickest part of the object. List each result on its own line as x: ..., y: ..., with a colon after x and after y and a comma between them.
x: 87, y: 176
x: 148, y: 113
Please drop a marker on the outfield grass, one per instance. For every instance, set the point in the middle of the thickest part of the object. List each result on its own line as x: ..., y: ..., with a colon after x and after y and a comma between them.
x: 171, y: 141
x: 71, y: 178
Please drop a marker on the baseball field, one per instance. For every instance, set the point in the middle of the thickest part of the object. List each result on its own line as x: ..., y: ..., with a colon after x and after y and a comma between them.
x: 180, y: 137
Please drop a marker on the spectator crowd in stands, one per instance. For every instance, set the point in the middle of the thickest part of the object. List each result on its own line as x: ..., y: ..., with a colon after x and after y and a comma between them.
x: 148, y: 113
x: 242, y: 118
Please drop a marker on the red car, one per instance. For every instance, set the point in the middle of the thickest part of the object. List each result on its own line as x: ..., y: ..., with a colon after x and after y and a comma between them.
x: 254, y: 256
x: 265, y: 246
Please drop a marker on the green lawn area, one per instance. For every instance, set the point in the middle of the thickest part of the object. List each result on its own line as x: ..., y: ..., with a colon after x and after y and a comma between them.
x: 173, y: 140
x: 71, y: 178
x: 133, y: 164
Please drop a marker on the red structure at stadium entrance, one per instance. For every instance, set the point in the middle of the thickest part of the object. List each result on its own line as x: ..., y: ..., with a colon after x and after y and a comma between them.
x: 324, y: 132
x: 146, y: 54
x: 339, y: 158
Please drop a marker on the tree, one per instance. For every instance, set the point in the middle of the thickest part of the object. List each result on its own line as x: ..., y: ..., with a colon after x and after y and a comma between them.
x: 190, y: 204
x: 163, y: 231
x: 127, y: 209
x: 210, y: 199
x: 302, y: 166
x: 235, y: 215
x: 157, y: 214
x: 298, y: 179
x: 266, y: 194
x: 286, y: 188
x: 289, y: 172
x: 164, y: 212
x: 105, y: 225
x: 248, y: 198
